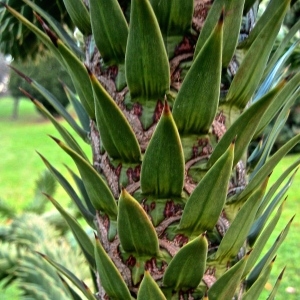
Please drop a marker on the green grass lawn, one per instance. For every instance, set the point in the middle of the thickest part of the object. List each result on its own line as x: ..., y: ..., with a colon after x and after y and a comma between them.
x: 20, y: 166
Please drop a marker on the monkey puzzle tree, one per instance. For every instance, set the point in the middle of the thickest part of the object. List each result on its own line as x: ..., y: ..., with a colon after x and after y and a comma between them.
x: 175, y: 91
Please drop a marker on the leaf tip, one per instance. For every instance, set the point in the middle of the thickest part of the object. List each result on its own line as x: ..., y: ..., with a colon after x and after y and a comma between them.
x: 41, y: 254
x: 28, y: 79
x: 222, y: 16
x: 281, y: 274
x: 53, y: 37
x: 27, y: 94
x: 166, y: 110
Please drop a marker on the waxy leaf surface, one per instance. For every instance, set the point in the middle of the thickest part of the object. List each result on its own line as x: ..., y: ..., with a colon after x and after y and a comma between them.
x: 163, y: 164
x: 136, y: 232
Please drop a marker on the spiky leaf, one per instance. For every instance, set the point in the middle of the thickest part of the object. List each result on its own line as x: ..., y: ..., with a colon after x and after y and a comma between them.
x: 149, y: 289
x: 146, y: 61
x: 110, y: 37
x: 205, y: 204
x: 79, y: 15
x: 118, y: 137
x: 163, y: 164
x: 187, y: 266
x: 225, y: 286
x: 133, y: 223
x: 197, y: 101
x: 99, y: 193
x: 251, y: 70
x: 110, y: 277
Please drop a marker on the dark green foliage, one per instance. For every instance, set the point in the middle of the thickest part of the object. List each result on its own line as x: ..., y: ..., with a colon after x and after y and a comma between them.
x: 294, y: 14
x: 46, y: 71
x: 18, y: 40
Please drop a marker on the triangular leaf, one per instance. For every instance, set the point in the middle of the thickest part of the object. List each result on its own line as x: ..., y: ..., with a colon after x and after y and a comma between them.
x: 251, y: 70
x: 244, y: 127
x: 117, y: 137
x: 79, y: 15
x: 149, y: 289
x: 196, y: 103
x: 98, y: 191
x: 163, y: 164
x: 205, y: 204
x: 111, y: 279
x: 110, y: 39
x: 188, y: 265
x: 236, y: 235
x: 226, y: 285
x: 133, y: 223
x: 146, y: 62
x: 80, y: 235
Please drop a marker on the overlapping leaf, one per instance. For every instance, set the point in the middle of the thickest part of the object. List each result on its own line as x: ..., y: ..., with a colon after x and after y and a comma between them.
x: 146, y: 61
x: 197, y: 101
x: 163, y: 164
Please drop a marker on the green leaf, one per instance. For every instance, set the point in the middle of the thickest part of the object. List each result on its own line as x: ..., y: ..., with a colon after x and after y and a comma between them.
x: 149, y: 289
x: 80, y: 78
x: 68, y: 138
x: 276, y: 286
x: 232, y: 21
x: 77, y: 282
x: 136, y: 232
x: 72, y: 292
x: 236, y: 235
x: 57, y: 27
x: 116, y: 134
x: 85, y: 197
x: 111, y: 279
x: 269, y: 142
x: 275, y: 186
x: 187, y: 267
x: 79, y: 15
x: 244, y: 127
x: 226, y: 285
x: 263, y: 21
x: 40, y: 34
x: 88, y: 216
x: 205, y: 204
x: 256, y: 289
x: 261, y: 242
x: 268, y: 256
x: 267, y: 168
x: 146, y: 61
x: 284, y: 97
x: 175, y: 20
x: 98, y: 191
x: 174, y: 16
x: 197, y: 101
x: 110, y: 37
x: 162, y: 171
x: 251, y: 70
x: 248, y: 5
x: 54, y: 102
x: 258, y: 225
x: 81, y: 113
x: 282, y: 47
x: 277, y: 72
x: 80, y: 235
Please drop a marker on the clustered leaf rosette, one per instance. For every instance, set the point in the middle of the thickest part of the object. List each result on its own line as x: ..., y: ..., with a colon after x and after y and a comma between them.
x: 192, y: 223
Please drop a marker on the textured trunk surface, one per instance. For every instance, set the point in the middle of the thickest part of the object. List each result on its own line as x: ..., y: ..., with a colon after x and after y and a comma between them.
x: 183, y: 52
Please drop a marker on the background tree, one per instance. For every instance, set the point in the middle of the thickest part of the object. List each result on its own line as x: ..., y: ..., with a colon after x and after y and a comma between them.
x: 48, y: 72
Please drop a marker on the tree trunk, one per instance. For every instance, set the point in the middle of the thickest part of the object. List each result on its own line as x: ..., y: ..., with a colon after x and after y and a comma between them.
x: 183, y: 53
